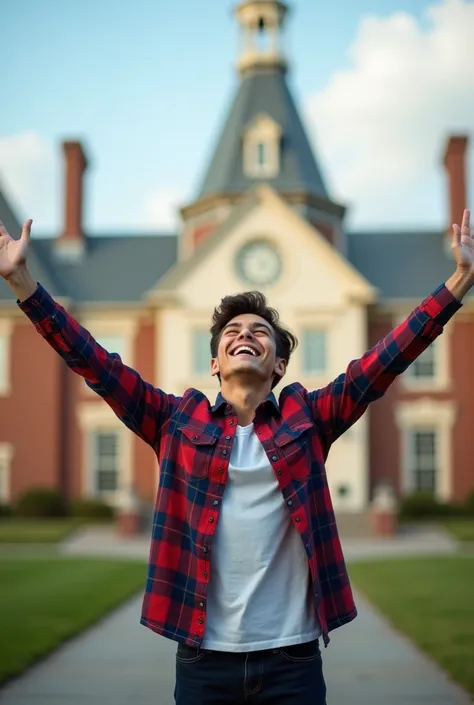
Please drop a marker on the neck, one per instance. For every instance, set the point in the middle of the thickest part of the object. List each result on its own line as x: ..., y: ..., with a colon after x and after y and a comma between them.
x: 245, y: 399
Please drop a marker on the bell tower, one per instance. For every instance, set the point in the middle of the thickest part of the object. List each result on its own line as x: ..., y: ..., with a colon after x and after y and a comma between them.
x: 261, y: 34
x: 263, y: 139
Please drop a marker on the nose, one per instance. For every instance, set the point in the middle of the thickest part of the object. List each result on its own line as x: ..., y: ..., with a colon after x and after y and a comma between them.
x: 245, y: 334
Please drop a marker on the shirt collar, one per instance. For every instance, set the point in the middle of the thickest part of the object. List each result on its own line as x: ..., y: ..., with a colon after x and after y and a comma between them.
x: 270, y: 402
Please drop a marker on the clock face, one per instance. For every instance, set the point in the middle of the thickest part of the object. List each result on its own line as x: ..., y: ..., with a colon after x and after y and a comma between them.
x: 259, y: 263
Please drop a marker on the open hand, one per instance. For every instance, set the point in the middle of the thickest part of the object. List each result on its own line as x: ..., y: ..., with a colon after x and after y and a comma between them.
x: 463, y: 245
x: 13, y: 253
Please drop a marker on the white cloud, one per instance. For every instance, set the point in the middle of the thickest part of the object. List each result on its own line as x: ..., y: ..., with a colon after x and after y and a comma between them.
x: 161, y: 209
x: 380, y: 125
x: 29, y: 174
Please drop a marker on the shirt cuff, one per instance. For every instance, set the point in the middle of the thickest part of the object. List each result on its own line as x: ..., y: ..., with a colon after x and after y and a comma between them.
x: 39, y: 305
x: 441, y: 305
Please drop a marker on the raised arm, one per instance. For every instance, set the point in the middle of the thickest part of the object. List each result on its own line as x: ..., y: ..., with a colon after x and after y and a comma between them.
x: 337, y: 406
x: 142, y: 407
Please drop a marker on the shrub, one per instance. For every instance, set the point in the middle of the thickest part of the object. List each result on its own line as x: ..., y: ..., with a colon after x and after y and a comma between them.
x: 91, y: 509
x: 423, y: 505
x: 40, y: 503
x: 469, y: 504
x: 5, y: 511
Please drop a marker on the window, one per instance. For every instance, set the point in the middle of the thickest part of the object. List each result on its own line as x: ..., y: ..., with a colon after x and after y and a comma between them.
x: 314, y: 344
x: 201, y: 352
x: 424, y: 367
x: 113, y: 343
x: 4, y: 363
x: 423, y: 456
x: 262, y: 148
x: 6, y: 451
x: 105, y: 461
x: 262, y: 154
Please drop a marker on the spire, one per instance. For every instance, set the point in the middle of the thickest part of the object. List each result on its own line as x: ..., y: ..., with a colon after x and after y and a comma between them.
x: 261, y: 24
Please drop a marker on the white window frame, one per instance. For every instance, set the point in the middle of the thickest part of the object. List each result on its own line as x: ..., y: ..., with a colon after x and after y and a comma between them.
x: 427, y: 414
x: 263, y: 131
x: 196, y: 370
x: 107, y: 495
x: 315, y: 372
x: 6, y: 330
x: 96, y: 417
x: 6, y: 457
x: 412, y: 458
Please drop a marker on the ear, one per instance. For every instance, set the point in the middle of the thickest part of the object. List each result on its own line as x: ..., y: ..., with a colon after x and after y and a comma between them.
x: 214, y: 367
x: 280, y: 367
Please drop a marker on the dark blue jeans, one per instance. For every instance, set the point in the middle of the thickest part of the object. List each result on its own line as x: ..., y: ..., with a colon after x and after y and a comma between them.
x: 292, y: 675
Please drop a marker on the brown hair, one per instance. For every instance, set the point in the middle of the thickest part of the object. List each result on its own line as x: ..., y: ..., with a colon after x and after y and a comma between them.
x: 256, y: 303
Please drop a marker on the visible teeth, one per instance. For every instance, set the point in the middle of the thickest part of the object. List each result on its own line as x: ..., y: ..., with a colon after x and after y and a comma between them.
x: 244, y: 348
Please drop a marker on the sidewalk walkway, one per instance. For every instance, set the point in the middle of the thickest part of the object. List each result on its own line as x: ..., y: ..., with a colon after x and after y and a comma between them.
x: 119, y: 662
x: 422, y: 540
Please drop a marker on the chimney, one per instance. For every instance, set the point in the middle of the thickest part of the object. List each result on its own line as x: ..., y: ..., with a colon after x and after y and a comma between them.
x: 455, y: 165
x: 71, y: 243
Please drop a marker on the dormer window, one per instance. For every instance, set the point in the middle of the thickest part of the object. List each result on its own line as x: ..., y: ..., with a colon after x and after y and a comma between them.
x: 262, y: 146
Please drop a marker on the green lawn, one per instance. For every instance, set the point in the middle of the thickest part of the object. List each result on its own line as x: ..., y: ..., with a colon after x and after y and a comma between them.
x: 431, y: 600
x: 461, y: 529
x: 45, y: 601
x: 36, y: 530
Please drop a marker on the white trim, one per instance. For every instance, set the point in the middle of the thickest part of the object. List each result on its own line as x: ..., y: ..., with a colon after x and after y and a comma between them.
x: 428, y: 414
x: 6, y: 331
x: 6, y: 457
x: 96, y: 416
x: 267, y: 132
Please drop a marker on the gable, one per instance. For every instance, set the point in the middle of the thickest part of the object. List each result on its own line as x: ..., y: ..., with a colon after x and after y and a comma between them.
x: 312, y: 271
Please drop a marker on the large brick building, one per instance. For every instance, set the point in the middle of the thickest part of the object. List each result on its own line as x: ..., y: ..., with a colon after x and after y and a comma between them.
x: 263, y: 218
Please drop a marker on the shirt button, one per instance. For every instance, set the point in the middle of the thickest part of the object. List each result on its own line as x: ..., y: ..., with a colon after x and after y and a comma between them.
x: 205, y: 549
x: 232, y: 423
x: 228, y: 438
x: 200, y: 620
x: 298, y: 519
x: 274, y: 458
x: 201, y: 604
x: 204, y: 575
x: 216, y: 502
x: 211, y: 519
x: 279, y: 472
x: 224, y: 452
x: 195, y: 438
x: 290, y: 502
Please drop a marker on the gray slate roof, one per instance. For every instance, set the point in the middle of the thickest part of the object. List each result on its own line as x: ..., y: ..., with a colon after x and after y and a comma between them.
x: 401, y: 264
x: 124, y: 268
x: 264, y: 91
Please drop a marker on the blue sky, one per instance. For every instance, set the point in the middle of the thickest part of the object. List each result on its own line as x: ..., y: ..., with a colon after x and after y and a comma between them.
x: 146, y: 85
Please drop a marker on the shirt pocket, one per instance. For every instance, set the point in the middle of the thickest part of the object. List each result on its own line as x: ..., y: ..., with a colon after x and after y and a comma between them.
x: 293, y: 442
x: 196, y: 448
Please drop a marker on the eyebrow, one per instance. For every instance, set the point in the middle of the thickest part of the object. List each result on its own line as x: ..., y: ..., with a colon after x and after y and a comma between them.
x: 252, y: 326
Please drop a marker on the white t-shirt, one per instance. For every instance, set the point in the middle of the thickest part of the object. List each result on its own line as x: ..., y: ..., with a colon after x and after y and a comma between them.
x: 259, y: 594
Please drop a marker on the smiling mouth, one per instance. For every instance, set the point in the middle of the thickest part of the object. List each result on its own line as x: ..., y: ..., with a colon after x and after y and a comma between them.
x: 245, y: 350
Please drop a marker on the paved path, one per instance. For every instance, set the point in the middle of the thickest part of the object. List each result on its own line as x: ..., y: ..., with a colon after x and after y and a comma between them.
x: 423, y: 540
x: 119, y: 662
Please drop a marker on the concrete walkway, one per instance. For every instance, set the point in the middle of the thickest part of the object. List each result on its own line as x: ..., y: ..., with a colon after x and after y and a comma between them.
x: 422, y: 540
x: 119, y: 662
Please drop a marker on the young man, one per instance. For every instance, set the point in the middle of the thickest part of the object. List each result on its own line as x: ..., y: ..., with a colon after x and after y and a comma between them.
x: 246, y: 571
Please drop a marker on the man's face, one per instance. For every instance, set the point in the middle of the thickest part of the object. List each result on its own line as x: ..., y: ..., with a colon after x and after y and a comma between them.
x: 247, y: 348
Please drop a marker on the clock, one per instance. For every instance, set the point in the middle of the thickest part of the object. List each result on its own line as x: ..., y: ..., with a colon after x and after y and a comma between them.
x: 259, y: 263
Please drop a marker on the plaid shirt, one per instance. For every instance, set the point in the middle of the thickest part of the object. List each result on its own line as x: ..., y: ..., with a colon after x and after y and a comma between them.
x: 193, y: 441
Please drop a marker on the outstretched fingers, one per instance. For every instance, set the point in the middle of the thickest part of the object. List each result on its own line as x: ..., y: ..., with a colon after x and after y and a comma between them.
x: 26, y: 232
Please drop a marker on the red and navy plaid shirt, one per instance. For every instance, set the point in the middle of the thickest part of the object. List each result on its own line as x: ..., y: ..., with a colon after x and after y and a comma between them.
x: 193, y: 440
